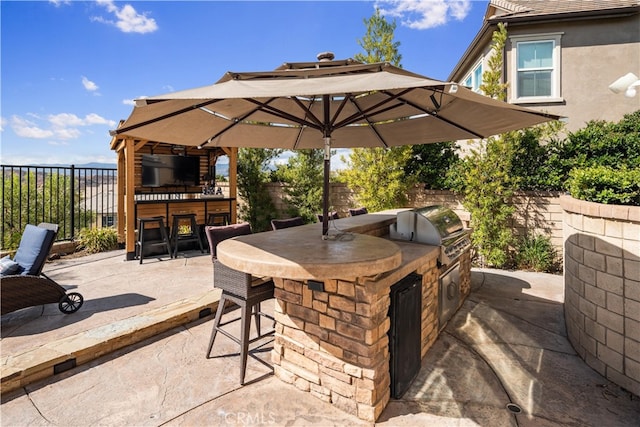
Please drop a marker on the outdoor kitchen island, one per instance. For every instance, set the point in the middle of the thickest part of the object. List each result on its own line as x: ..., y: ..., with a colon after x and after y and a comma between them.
x: 332, y: 304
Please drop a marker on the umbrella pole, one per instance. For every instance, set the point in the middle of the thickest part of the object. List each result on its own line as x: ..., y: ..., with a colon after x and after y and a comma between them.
x: 325, y: 190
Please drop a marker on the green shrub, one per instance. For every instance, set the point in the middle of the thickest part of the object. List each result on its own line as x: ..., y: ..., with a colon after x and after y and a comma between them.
x: 535, y: 253
x: 488, y: 188
x: 96, y: 240
x: 603, y: 184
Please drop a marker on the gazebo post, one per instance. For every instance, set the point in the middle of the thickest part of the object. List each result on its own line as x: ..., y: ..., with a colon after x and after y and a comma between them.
x: 233, y: 180
x: 129, y: 154
x: 121, y: 169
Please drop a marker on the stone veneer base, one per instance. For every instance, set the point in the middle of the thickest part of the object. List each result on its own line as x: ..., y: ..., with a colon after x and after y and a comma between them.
x: 334, y: 344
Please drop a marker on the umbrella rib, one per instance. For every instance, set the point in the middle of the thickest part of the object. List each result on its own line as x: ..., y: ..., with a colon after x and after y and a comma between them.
x: 308, y: 113
x: 354, y: 117
x: 234, y: 123
x: 282, y: 114
x: 166, y: 116
x: 435, y: 115
x: 373, y: 128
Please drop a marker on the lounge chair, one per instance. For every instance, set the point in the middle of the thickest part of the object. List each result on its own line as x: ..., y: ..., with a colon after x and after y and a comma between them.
x: 22, y: 282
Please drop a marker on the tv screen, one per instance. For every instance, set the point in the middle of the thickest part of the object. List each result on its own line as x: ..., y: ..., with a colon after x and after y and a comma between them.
x: 163, y: 170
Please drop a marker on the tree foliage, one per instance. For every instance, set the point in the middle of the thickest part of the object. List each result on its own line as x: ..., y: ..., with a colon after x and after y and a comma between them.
x: 378, y: 43
x: 488, y: 187
x: 429, y: 162
x: 253, y: 174
x: 31, y: 198
x: 304, y: 175
x: 492, y: 81
x: 486, y: 179
x: 377, y: 175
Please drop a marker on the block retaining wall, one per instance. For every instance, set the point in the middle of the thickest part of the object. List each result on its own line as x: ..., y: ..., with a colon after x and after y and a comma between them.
x: 602, y: 287
x: 537, y: 212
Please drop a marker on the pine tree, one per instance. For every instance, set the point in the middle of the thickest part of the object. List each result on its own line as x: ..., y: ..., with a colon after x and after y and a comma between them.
x: 377, y: 174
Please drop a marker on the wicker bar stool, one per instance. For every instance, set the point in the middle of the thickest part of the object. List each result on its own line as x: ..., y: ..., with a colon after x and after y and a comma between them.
x: 144, y: 242
x: 241, y: 288
x: 219, y: 218
x: 192, y: 236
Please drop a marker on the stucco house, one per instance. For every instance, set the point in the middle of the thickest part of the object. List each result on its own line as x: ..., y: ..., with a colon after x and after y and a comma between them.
x: 561, y: 56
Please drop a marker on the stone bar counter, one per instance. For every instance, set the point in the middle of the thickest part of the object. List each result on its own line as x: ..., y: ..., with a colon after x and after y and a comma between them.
x: 332, y: 304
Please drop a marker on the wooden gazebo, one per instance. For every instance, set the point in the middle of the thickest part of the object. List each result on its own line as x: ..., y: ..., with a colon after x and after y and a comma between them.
x: 136, y: 200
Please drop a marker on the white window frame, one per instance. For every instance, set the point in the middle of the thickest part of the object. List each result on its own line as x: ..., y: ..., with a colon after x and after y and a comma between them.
x: 475, y: 85
x: 556, y: 89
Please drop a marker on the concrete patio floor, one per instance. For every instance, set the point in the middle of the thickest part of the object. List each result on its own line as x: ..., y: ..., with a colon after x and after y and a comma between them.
x: 144, y: 347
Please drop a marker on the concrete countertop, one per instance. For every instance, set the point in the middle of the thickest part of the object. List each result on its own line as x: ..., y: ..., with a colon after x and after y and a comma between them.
x: 301, y: 253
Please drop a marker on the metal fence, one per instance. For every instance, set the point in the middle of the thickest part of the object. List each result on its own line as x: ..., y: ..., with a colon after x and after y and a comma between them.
x: 72, y: 197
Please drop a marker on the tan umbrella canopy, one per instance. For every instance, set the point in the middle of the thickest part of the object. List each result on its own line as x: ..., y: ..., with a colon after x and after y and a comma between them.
x: 325, y: 104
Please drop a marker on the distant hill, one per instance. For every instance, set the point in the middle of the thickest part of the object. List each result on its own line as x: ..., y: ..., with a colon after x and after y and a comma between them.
x: 221, y: 168
x: 95, y: 165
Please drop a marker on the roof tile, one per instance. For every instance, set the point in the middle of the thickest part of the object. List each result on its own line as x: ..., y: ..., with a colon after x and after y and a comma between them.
x: 549, y: 7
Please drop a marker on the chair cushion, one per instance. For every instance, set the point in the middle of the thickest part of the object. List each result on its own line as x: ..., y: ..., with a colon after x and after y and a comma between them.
x: 33, y: 249
x: 216, y: 234
x: 8, y: 266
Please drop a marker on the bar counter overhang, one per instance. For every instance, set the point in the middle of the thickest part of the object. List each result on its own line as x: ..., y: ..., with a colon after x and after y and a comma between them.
x: 334, y: 342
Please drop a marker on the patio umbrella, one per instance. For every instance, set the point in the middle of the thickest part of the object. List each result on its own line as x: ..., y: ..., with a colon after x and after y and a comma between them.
x: 324, y: 104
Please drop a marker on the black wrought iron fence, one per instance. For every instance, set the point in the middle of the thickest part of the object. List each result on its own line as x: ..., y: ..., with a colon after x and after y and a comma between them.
x: 72, y: 197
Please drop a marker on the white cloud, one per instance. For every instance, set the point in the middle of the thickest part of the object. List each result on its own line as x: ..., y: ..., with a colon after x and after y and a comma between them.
x: 56, y: 127
x: 58, y: 3
x: 128, y: 20
x: 28, y: 129
x: 94, y: 119
x: 424, y: 14
x: 128, y: 102
x: 3, y: 123
x: 63, y: 120
x: 89, y: 85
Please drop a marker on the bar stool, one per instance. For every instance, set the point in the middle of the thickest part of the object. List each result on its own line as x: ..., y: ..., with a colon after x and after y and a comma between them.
x: 241, y: 288
x: 219, y: 218
x: 192, y: 236
x: 143, y: 241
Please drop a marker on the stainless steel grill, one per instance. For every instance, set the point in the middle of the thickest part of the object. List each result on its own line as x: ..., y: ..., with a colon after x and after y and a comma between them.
x: 438, y: 226
x: 433, y: 225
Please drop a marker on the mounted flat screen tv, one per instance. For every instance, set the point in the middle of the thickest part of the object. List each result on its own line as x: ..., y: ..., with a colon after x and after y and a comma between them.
x: 163, y: 170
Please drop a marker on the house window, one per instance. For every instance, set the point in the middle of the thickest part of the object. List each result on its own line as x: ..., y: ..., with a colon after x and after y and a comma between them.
x: 474, y: 78
x: 108, y: 220
x: 536, y: 70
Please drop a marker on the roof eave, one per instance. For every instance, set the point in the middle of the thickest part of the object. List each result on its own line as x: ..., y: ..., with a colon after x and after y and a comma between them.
x: 490, y: 24
x: 566, y: 16
x: 483, y: 34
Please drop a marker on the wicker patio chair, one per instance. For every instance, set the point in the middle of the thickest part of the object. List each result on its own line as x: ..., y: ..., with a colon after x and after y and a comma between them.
x: 332, y: 215
x: 278, y: 224
x: 241, y: 288
x: 23, y: 284
x: 358, y: 211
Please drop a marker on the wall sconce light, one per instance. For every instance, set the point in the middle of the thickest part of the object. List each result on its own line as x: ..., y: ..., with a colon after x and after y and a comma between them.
x: 626, y: 84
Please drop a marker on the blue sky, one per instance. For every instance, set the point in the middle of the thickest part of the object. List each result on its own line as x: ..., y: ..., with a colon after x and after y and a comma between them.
x: 70, y: 69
